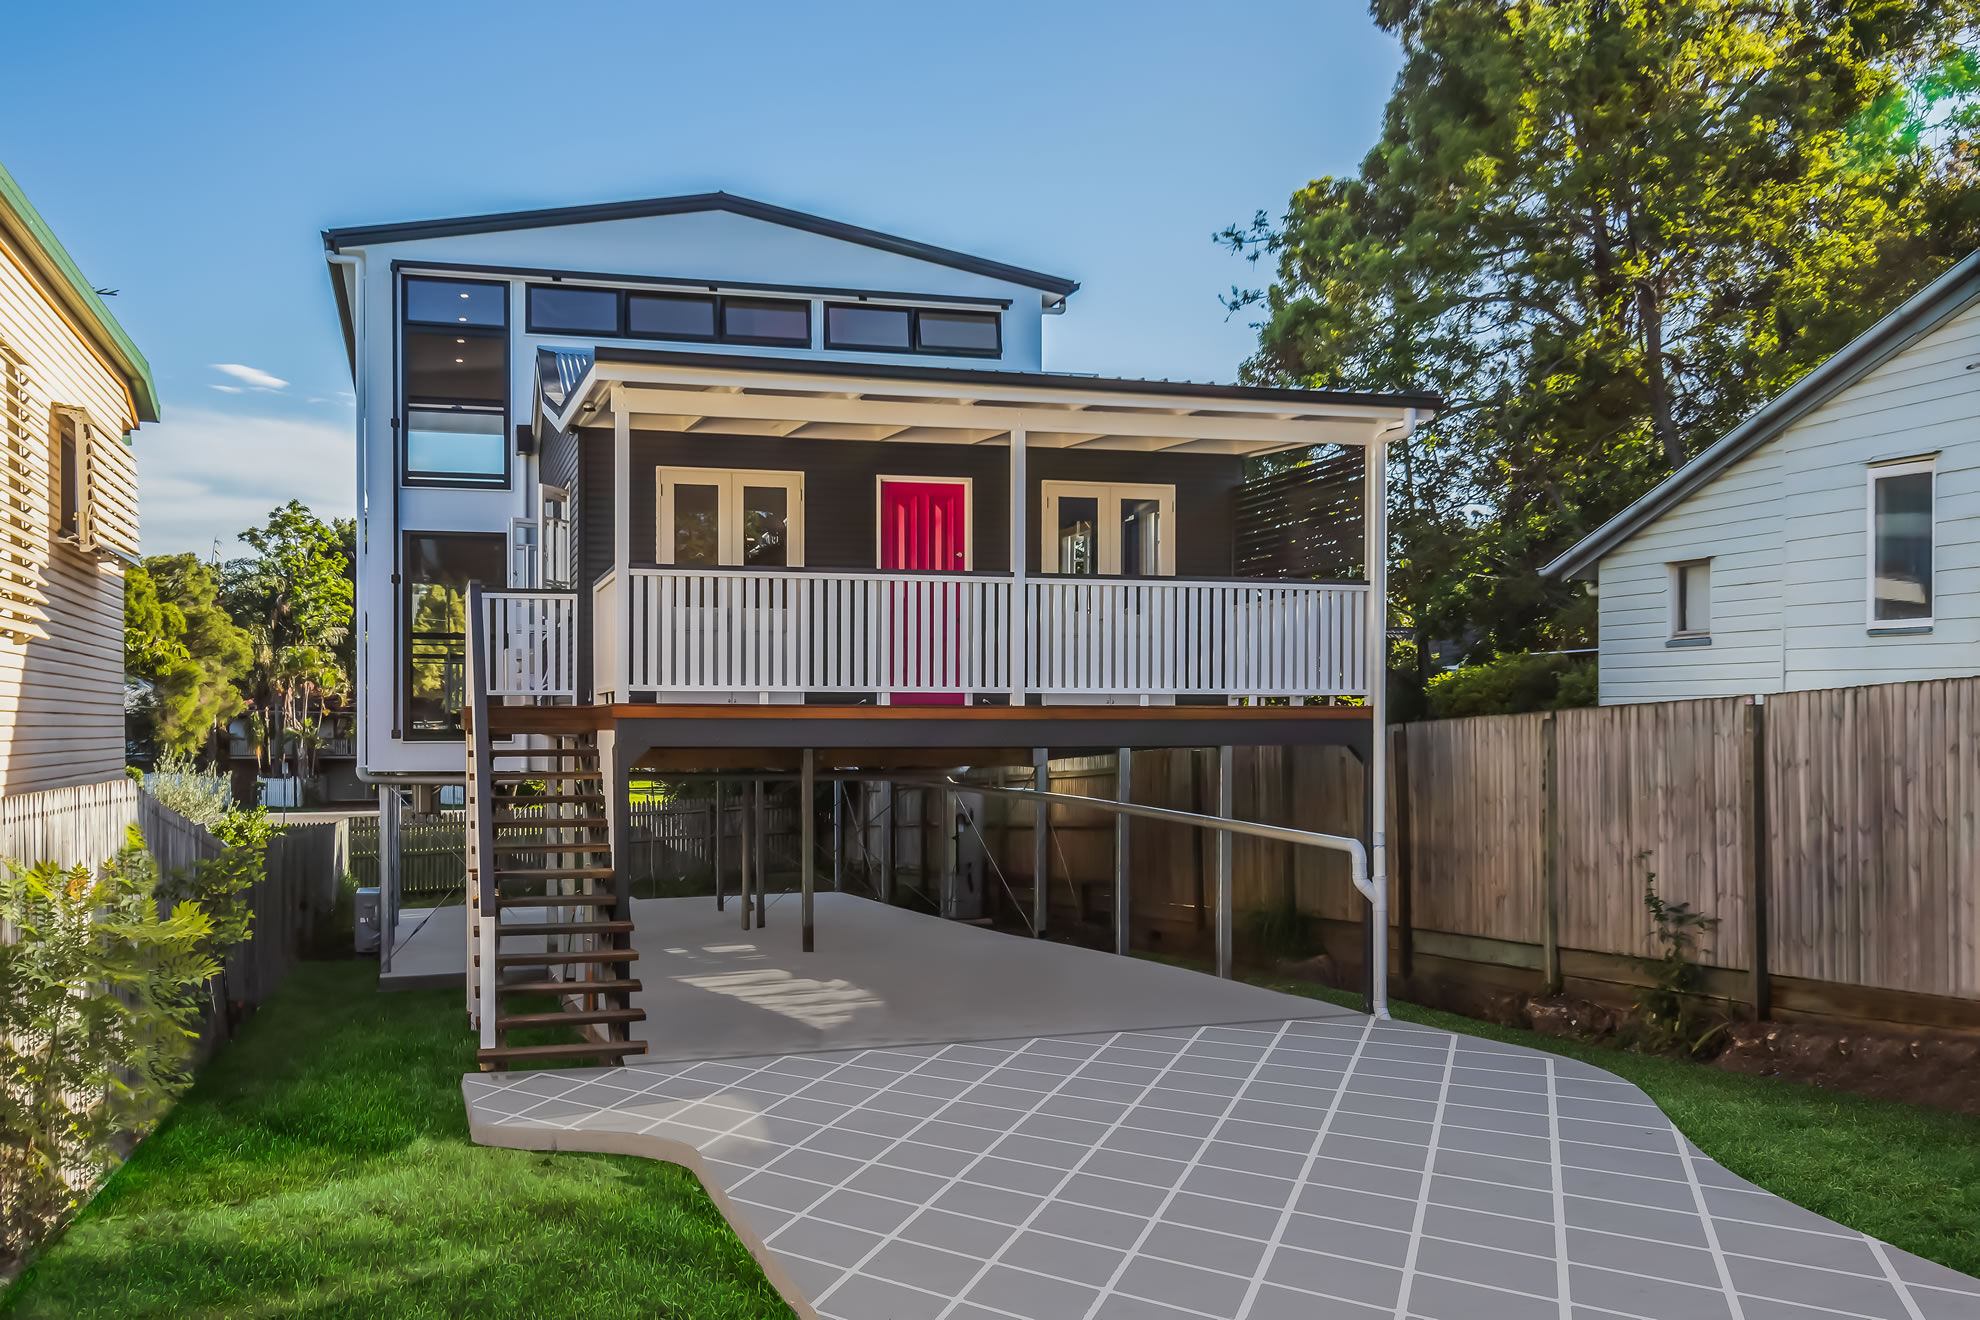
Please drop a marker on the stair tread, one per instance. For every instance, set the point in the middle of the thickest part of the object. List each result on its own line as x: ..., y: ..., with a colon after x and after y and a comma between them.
x: 506, y: 1022
x: 590, y: 1049
x: 574, y: 799
x: 555, y: 900
x: 624, y: 986
x: 553, y: 873
x: 544, y: 958
x: 545, y: 846
x: 563, y: 928
x: 553, y: 823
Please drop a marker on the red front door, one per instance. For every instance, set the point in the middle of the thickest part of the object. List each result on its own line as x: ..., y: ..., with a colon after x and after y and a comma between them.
x: 923, y: 529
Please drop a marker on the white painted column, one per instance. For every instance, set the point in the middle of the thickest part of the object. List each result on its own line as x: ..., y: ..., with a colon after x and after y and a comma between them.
x: 1020, y: 538
x: 388, y: 873
x: 1375, y: 552
x: 622, y: 539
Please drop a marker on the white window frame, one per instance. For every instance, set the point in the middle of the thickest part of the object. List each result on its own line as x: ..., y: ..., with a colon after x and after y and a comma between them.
x: 1872, y: 475
x: 968, y: 485
x: 525, y: 554
x: 731, y: 481
x: 1676, y: 596
x: 554, y: 541
x: 1109, y: 494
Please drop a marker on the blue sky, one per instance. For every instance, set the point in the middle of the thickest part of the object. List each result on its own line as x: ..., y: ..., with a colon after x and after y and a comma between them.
x: 189, y: 155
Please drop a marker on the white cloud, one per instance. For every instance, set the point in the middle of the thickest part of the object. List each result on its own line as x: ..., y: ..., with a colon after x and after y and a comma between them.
x: 205, y: 474
x: 252, y: 377
x: 229, y: 389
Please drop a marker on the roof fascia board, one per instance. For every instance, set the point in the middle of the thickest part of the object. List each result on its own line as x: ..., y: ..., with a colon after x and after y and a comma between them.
x: 1919, y: 315
x: 1094, y: 390
x: 362, y: 235
x: 1048, y: 398
x: 680, y: 283
x: 26, y: 227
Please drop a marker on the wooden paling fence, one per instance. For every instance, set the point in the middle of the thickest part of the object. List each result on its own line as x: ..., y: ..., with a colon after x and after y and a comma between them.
x: 87, y: 825
x: 1834, y: 835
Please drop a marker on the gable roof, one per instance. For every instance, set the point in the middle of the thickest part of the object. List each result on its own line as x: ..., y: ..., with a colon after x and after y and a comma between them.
x: 24, y: 225
x: 336, y: 240
x: 1919, y: 315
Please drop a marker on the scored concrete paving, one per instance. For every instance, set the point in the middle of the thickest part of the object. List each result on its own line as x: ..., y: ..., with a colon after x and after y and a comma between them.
x: 1305, y: 1163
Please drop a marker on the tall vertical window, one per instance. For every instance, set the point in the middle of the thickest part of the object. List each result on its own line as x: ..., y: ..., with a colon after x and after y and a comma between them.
x: 438, y: 568
x: 456, y: 346
x: 1901, y: 544
x: 69, y: 476
x: 1691, y: 599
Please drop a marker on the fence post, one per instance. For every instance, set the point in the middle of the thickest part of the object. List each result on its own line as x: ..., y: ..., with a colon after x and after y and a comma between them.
x: 1402, y: 860
x: 1550, y: 856
x: 1753, y: 847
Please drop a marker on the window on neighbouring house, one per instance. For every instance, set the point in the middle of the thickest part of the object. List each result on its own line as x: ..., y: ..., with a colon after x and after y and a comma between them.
x: 1691, y: 599
x: 456, y: 382
x: 69, y: 474
x: 1901, y: 544
x: 569, y: 310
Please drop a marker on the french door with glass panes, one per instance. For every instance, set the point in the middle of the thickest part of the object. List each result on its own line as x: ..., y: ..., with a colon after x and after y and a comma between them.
x: 715, y: 517
x: 1097, y: 529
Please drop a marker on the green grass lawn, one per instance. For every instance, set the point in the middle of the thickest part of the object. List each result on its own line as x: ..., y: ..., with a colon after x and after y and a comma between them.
x: 1908, y: 1175
x: 321, y: 1168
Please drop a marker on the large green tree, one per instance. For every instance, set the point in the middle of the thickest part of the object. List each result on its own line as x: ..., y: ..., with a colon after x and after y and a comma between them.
x: 1605, y: 230
x: 179, y: 638
x: 295, y: 597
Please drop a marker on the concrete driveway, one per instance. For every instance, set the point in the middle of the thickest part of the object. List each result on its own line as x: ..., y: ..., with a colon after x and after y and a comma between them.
x: 1175, y: 1161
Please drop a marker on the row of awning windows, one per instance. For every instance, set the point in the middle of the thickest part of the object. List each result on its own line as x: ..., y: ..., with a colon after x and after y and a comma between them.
x: 771, y: 322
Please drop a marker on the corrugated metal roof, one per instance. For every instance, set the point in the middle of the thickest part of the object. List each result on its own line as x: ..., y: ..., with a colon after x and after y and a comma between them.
x: 19, y: 216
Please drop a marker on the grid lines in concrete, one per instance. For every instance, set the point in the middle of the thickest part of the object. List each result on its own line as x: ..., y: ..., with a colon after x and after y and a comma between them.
x: 1305, y: 1167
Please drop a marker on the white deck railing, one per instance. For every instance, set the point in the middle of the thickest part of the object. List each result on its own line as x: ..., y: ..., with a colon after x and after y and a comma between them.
x: 1153, y: 637
x: 689, y: 630
x: 532, y: 643
x: 697, y: 630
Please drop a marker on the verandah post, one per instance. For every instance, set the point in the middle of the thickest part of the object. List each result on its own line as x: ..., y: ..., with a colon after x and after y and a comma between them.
x: 1123, y: 792
x: 1019, y: 537
x: 1041, y: 839
x: 808, y: 863
x: 1226, y: 808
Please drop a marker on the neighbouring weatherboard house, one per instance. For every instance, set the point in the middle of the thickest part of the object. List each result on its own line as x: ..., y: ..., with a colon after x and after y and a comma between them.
x: 702, y: 484
x: 1830, y: 540
x: 72, y: 388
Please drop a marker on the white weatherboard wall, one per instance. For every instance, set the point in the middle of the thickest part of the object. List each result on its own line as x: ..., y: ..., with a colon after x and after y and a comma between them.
x: 1786, y: 529
x: 62, y: 684
x: 715, y: 246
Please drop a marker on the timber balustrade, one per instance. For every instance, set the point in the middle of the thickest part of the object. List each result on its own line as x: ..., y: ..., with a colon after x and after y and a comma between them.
x: 697, y: 630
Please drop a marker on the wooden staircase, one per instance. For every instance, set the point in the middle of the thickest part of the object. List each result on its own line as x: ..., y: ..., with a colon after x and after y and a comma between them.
x: 540, y: 859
